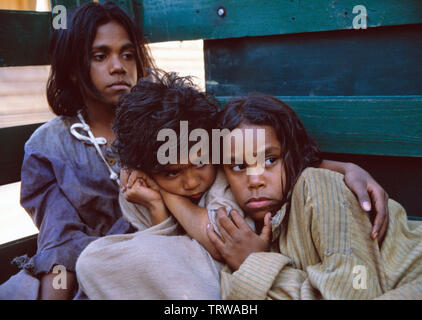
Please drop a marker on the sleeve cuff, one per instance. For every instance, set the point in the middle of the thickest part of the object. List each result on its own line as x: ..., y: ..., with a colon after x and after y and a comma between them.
x: 254, y: 278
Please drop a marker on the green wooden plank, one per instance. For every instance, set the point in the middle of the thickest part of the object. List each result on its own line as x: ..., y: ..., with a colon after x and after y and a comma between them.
x: 25, y: 34
x: 165, y: 20
x: 12, y: 141
x: 24, y: 37
x: 132, y: 8
x: 382, y: 61
x: 69, y: 4
x: 362, y: 125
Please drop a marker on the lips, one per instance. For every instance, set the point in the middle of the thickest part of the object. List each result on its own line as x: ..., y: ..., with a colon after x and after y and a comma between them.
x: 196, y: 195
x: 259, y: 203
x: 119, y: 85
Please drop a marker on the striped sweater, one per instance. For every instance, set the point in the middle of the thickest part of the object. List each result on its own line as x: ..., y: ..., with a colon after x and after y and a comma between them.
x: 322, y: 250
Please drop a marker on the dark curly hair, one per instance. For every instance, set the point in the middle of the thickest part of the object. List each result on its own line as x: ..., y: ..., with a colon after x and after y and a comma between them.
x: 70, y: 81
x: 299, y: 150
x: 155, y: 103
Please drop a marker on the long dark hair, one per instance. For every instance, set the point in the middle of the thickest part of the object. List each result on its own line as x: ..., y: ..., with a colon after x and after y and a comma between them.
x: 69, y: 81
x: 299, y: 150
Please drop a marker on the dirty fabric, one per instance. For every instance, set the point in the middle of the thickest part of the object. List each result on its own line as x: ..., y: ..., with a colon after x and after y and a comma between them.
x: 67, y: 191
x: 158, y: 262
x: 322, y: 250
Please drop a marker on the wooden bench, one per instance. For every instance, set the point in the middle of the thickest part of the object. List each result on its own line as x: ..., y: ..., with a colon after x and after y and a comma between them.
x: 358, y: 92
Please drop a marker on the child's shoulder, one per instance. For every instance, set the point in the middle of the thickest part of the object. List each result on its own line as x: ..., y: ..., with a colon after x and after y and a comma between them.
x: 312, y: 178
x: 55, y: 130
x: 313, y: 173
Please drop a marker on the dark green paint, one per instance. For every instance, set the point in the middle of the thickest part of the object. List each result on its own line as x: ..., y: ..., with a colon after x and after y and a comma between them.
x: 378, y: 62
x: 362, y: 125
x: 12, y: 142
x: 24, y: 38
x: 189, y: 19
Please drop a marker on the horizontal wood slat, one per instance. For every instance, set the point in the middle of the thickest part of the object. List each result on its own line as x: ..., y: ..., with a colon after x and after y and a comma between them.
x: 165, y: 20
x: 27, y: 33
x: 362, y: 125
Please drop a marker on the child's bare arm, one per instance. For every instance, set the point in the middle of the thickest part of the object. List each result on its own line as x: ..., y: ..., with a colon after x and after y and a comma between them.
x: 137, y: 187
x: 239, y: 240
x: 193, y: 219
x: 366, y: 189
x: 48, y: 292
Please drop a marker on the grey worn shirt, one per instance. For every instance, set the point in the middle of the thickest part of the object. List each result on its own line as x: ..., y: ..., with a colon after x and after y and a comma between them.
x: 67, y: 190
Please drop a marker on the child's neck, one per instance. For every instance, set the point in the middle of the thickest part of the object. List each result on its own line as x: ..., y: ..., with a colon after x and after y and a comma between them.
x: 100, y: 119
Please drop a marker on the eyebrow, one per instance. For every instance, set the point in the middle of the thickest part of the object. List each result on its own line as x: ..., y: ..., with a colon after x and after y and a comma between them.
x: 269, y: 150
x: 169, y: 169
x: 106, y: 48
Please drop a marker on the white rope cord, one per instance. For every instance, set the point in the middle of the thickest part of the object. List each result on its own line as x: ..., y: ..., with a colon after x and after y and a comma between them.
x: 95, y: 141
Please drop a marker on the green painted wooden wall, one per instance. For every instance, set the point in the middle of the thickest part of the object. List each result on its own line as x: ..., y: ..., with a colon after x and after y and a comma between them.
x: 357, y: 91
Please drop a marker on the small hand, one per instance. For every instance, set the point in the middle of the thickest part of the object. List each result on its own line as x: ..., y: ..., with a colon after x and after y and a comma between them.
x: 239, y: 240
x: 366, y: 189
x: 139, y: 188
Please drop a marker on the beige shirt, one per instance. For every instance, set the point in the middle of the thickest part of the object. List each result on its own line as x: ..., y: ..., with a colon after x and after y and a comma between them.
x: 322, y: 250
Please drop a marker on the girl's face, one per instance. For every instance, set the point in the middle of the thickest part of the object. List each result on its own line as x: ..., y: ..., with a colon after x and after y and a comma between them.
x: 258, y: 194
x: 186, y: 180
x: 113, y: 64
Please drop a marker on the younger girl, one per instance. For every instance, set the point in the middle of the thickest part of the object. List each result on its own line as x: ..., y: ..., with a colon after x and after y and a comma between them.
x: 319, y: 247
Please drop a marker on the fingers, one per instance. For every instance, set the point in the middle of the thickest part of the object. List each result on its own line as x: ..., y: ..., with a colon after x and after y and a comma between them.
x: 383, y: 232
x: 214, y: 238
x: 380, y: 198
x: 150, y: 183
x: 133, y: 176
x: 382, y: 214
x: 361, y: 192
x: 129, y: 177
x: 124, y: 175
x: 239, y: 221
x: 131, y: 193
x: 267, y: 229
x: 226, y: 226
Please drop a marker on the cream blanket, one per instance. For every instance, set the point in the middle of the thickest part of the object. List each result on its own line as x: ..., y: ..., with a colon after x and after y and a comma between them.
x: 157, y: 262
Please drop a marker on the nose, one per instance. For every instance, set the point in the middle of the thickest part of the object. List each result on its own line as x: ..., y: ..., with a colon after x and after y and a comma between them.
x: 256, y: 181
x: 116, y: 65
x: 191, y: 180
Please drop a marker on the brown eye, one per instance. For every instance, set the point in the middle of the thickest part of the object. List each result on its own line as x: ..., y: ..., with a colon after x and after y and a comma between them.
x: 270, y: 161
x: 99, y: 57
x: 128, y: 55
x: 172, y: 174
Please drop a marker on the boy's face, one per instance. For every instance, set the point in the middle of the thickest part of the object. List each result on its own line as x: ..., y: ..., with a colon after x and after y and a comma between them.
x: 186, y: 180
x: 113, y: 64
x: 258, y: 194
